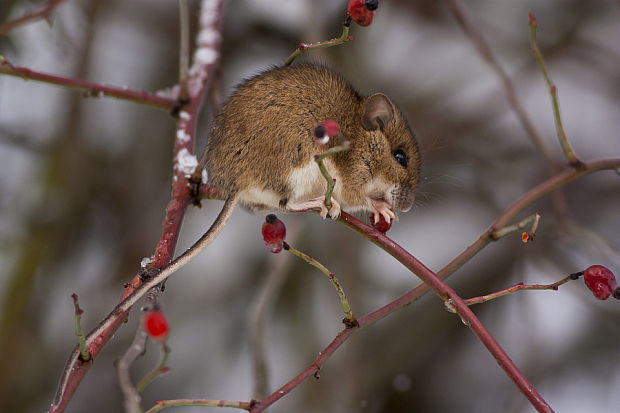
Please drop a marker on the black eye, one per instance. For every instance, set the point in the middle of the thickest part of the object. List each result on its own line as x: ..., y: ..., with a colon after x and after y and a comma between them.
x: 400, y: 157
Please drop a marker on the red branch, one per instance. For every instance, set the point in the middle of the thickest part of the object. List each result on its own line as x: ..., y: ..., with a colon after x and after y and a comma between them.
x: 89, y: 89
x: 200, y: 80
x: 40, y: 13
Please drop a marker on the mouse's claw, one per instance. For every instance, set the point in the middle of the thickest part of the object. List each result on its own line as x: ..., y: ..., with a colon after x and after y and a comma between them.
x: 318, y: 203
x: 379, y: 206
x: 334, y: 211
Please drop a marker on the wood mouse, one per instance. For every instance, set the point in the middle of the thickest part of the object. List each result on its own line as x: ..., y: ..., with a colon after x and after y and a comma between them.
x: 261, y: 149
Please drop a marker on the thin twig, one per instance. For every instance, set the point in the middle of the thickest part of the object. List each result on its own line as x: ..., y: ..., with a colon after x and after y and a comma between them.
x: 164, y: 352
x: 349, y: 319
x: 516, y: 227
x: 304, y: 47
x: 330, y: 181
x: 84, y: 354
x: 553, y: 91
x: 164, y: 404
x: 131, y: 395
x: 88, y: 89
x: 519, y: 287
x: 183, y: 49
x: 462, y: 16
x: 42, y: 12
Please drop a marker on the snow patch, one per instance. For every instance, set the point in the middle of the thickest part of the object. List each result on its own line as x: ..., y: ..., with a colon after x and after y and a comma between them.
x: 186, y: 162
x: 183, y: 136
x: 205, y: 56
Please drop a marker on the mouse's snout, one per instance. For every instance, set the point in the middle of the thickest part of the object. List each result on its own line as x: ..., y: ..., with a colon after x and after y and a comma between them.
x: 401, y: 197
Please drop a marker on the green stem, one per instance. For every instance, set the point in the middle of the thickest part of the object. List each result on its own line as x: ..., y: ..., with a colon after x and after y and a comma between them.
x: 164, y: 404
x: 304, y: 47
x: 331, y: 182
x: 553, y: 90
x: 84, y: 353
x: 157, y: 371
x: 349, y: 320
x: 497, y: 234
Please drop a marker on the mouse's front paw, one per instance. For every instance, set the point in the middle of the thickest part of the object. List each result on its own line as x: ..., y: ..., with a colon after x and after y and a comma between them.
x: 379, y: 206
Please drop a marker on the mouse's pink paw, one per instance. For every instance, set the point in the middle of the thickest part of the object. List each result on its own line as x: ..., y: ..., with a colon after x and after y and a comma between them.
x: 379, y: 206
x: 317, y: 203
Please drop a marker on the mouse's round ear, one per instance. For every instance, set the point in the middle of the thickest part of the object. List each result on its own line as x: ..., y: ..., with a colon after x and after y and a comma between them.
x: 378, y: 112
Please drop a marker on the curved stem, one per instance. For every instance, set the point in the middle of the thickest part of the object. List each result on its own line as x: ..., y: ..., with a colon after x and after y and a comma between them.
x: 553, y: 91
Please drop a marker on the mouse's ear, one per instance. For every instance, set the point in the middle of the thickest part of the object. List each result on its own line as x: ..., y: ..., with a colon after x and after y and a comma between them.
x: 378, y: 112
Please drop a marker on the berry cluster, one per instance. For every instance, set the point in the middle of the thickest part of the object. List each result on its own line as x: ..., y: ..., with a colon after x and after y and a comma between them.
x: 362, y: 11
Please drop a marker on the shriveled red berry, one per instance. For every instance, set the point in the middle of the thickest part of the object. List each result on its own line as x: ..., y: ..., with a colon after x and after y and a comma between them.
x: 601, y: 281
x: 359, y: 13
x: 156, y: 325
x: 274, y: 232
x: 331, y: 127
x: 381, y: 225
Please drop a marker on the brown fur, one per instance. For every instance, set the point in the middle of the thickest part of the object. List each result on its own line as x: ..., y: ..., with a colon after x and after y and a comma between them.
x: 265, y: 131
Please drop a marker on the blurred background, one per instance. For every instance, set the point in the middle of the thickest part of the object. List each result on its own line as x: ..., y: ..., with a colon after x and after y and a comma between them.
x: 84, y: 183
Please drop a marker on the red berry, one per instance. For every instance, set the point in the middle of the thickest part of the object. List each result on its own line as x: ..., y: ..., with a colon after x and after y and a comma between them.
x: 359, y: 13
x: 156, y: 325
x: 331, y: 127
x: 382, y: 225
x: 274, y: 232
x: 601, y: 281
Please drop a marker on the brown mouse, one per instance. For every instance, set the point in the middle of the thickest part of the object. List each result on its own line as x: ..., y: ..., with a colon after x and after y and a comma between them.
x: 261, y: 149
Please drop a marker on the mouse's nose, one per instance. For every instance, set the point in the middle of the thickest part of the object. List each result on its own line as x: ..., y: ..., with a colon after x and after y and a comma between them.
x: 402, y: 198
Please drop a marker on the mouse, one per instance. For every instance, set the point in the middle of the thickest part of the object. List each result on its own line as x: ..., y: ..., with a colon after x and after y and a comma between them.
x: 261, y: 147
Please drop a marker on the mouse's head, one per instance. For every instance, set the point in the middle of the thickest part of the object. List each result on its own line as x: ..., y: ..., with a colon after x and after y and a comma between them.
x: 390, y: 152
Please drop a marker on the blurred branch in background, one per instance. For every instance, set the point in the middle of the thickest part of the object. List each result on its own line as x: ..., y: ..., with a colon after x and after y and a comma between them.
x: 88, y: 89
x: 42, y: 12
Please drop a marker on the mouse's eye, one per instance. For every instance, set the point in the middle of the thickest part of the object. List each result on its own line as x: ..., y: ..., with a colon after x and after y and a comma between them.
x: 400, y: 157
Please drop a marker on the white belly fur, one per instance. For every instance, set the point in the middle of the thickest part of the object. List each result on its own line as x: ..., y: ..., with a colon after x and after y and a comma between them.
x: 306, y: 182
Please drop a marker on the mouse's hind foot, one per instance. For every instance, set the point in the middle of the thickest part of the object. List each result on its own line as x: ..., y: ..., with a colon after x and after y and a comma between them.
x: 316, y: 204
